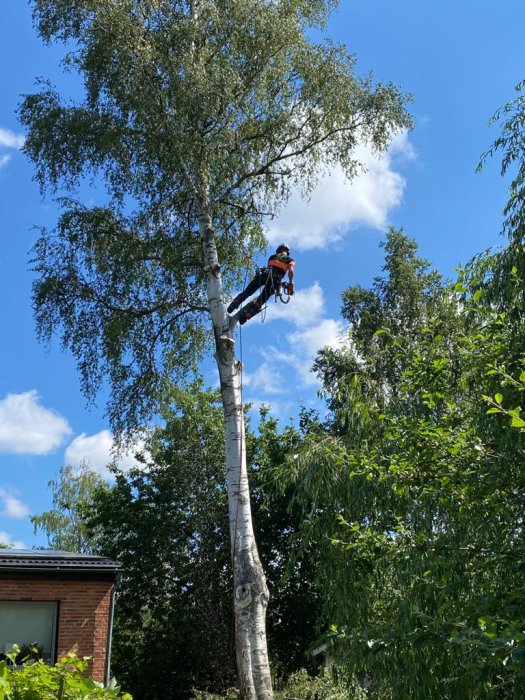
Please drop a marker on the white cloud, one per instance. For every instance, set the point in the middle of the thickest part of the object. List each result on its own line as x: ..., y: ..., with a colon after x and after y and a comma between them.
x: 4, y: 160
x: 306, y: 307
x: 305, y: 344
x: 26, y: 427
x: 299, y: 356
x: 8, y: 139
x: 12, y: 507
x: 266, y: 378
x: 326, y: 333
x: 401, y: 146
x: 312, y: 332
x: 336, y: 205
x: 5, y: 539
x: 97, y: 451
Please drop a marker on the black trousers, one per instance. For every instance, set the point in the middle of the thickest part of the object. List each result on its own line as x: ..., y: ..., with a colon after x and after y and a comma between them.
x: 265, y: 278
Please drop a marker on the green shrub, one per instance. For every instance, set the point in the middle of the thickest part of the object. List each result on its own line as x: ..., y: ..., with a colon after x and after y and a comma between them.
x: 328, y: 685
x: 64, y: 681
x: 231, y: 694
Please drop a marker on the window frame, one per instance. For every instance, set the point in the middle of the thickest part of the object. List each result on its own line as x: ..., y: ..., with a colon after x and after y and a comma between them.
x: 54, y: 604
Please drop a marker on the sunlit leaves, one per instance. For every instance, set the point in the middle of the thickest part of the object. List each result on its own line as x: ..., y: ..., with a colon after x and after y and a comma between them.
x: 220, y: 107
x: 510, y: 144
x: 66, y: 679
x: 427, y: 564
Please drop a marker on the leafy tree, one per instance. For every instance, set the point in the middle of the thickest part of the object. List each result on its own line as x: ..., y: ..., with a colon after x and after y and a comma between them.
x: 66, y: 524
x: 424, y: 504
x: 510, y: 144
x: 200, y: 116
x: 496, y: 273
x: 166, y: 523
x: 439, y: 540
x: 399, y: 304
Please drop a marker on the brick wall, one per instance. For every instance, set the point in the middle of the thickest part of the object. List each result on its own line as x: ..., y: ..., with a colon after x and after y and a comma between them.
x: 83, y: 614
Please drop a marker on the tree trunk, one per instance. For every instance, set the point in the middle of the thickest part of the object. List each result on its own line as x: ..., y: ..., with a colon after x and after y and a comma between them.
x: 249, y: 583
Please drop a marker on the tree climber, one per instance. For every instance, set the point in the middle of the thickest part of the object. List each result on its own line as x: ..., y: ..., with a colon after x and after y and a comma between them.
x: 269, y: 278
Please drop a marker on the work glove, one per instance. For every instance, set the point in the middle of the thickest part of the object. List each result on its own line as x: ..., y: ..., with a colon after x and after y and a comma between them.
x: 290, y: 288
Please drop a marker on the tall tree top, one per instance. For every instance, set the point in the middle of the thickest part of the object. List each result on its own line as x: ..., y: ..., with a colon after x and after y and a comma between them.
x: 215, y: 108
x: 226, y: 92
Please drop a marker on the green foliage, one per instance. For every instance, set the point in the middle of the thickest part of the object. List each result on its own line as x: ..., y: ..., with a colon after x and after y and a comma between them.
x: 328, y: 685
x: 294, y: 616
x: 167, y: 524
x: 216, y: 108
x: 231, y: 694
x: 418, y: 482
x: 66, y: 524
x: 510, y: 144
x: 398, y: 305
x: 64, y: 681
x: 29, y: 652
x: 437, y: 553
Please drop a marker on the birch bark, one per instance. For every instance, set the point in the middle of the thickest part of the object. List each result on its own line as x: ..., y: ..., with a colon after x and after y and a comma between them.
x: 250, y: 592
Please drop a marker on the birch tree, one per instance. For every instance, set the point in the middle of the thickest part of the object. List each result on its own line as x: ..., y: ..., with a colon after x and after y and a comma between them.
x: 66, y: 524
x: 200, y: 116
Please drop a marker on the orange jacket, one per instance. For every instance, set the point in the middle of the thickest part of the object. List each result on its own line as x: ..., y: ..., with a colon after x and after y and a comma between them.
x: 281, y: 261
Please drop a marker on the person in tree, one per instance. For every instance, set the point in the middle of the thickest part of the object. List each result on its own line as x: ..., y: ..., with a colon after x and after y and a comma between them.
x: 269, y: 278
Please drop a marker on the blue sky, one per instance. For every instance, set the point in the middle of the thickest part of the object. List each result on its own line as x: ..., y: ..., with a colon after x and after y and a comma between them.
x: 460, y: 61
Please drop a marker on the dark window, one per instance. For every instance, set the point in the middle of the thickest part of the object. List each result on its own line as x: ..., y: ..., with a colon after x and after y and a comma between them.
x: 28, y: 623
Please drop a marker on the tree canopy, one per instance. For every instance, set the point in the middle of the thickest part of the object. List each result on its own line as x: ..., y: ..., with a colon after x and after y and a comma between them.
x: 417, y: 481
x: 219, y: 106
x: 66, y: 524
x: 165, y: 522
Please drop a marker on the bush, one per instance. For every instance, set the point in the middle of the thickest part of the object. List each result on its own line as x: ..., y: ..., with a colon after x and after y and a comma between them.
x: 328, y: 685
x: 231, y: 694
x: 64, y: 681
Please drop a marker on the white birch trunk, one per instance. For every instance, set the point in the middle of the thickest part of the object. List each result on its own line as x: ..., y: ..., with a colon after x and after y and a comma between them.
x: 249, y: 583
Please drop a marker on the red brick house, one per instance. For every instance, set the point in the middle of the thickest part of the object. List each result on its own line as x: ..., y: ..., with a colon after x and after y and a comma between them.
x: 60, y: 600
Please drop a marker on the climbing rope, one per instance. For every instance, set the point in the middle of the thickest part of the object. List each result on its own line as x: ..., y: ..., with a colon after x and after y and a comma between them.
x: 282, y: 287
x: 278, y: 292
x: 240, y: 455
x: 235, y: 531
x: 241, y: 444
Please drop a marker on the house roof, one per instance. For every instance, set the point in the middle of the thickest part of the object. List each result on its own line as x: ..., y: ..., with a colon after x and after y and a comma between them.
x: 41, y: 560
